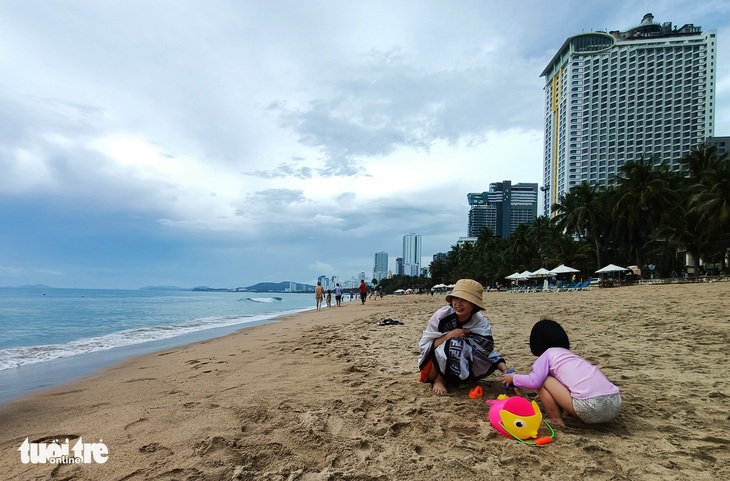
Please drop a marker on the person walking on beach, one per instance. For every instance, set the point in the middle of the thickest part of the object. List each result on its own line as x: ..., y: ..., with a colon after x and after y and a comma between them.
x: 329, y: 298
x: 457, y: 344
x: 319, y: 295
x: 338, y: 294
x: 363, y: 291
x: 566, y: 380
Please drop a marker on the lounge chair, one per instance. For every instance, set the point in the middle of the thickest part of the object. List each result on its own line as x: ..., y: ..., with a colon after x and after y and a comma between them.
x: 557, y: 287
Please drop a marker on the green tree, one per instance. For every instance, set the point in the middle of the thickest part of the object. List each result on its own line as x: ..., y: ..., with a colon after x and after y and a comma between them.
x: 710, y: 201
x: 520, y: 248
x: 439, y: 271
x: 700, y: 159
x: 578, y: 213
x: 645, y: 196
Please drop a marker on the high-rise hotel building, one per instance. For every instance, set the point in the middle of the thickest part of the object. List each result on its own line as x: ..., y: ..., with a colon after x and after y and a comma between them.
x: 613, y: 97
x: 412, y: 255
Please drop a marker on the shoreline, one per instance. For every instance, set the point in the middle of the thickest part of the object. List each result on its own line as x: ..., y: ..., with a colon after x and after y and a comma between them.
x: 31, y: 378
x: 330, y: 395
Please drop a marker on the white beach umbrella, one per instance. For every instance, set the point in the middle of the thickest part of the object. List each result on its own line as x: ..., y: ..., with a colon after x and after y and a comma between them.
x: 562, y: 269
x: 525, y: 275
x: 513, y: 277
x: 541, y: 272
x: 611, y: 268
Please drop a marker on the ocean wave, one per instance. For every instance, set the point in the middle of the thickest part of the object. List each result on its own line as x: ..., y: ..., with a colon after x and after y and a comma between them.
x: 263, y: 299
x: 19, y: 356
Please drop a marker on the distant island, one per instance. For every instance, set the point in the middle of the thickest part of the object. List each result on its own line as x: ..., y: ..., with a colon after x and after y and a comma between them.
x: 163, y: 288
x: 285, y: 286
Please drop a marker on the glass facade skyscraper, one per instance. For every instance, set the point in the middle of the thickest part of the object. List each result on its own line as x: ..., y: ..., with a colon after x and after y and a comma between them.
x: 380, y: 270
x: 412, y: 255
x: 614, y: 97
x: 502, y: 208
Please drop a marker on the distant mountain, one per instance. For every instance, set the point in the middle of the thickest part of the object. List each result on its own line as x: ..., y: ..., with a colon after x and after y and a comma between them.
x: 163, y: 288
x: 213, y: 289
x: 260, y: 287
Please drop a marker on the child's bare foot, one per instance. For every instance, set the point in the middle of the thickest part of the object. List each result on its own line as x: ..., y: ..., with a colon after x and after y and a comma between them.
x: 439, y: 387
x: 558, y: 423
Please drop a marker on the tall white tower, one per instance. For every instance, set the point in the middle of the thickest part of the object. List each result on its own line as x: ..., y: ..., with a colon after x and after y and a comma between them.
x: 411, y: 254
x: 613, y: 97
x: 380, y: 270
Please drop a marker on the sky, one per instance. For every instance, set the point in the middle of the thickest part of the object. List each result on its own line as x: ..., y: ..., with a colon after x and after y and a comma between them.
x: 229, y: 142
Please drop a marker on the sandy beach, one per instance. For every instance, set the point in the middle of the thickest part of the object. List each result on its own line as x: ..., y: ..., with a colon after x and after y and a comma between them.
x: 331, y: 395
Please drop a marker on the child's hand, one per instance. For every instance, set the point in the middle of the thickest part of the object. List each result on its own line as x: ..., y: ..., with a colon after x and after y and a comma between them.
x: 507, y: 379
x: 459, y: 333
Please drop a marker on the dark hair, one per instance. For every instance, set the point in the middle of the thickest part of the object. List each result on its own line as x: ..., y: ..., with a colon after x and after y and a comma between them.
x: 545, y: 334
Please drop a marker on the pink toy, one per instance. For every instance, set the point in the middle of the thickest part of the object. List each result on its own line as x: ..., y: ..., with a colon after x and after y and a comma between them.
x: 517, y: 417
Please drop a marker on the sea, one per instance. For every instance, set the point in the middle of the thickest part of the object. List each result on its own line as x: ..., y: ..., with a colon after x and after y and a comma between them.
x: 51, y: 336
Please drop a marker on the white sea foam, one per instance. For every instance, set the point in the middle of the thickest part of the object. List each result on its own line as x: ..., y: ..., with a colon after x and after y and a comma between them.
x: 20, y: 356
x: 266, y: 300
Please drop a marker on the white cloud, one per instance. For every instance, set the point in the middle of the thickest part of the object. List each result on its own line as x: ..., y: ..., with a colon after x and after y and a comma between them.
x: 285, y: 139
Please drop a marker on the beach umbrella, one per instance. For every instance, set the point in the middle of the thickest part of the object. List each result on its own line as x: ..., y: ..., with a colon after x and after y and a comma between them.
x: 541, y: 272
x: 523, y: 276
x: 562, y: 269
x: 514, y: 277
x: 611, y: 268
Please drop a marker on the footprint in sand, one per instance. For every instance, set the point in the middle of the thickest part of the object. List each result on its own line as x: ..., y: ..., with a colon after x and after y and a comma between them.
x: 135, y: 426
x: 156, y: 448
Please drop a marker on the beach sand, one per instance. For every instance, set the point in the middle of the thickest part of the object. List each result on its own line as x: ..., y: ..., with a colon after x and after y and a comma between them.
x: 331, y: 395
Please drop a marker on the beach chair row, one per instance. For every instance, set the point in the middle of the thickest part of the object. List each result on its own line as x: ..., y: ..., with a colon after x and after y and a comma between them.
x: 557, y: 287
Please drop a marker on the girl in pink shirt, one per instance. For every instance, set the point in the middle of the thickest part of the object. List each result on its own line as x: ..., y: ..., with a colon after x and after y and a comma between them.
x: 565, y: 380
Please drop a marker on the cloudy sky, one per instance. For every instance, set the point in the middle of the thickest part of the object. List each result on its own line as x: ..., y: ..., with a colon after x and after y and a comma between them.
x: 225, y: 142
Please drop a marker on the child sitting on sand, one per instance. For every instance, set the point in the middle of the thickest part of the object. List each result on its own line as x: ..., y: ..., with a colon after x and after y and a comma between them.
x: 565, y: 380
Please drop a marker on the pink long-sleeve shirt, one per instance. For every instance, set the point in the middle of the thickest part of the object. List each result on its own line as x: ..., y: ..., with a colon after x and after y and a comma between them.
x: 583, y: 379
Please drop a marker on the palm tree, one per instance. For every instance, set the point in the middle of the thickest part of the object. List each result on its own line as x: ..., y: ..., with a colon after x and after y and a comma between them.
x: 686, y: 234
x: 699, y: 160
x: 578, y: 214
x: 567, y: 250
x: 710, y: 201
x: 520, y: 248
x: 542, y: 232
x: 646, y: 195
x: 484, y: 244
x: 439, y: 271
